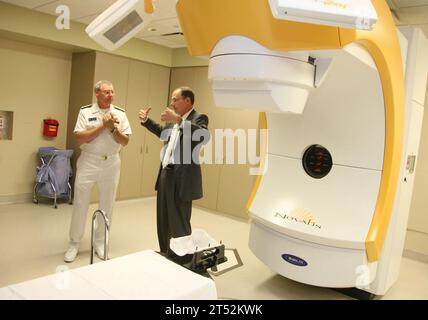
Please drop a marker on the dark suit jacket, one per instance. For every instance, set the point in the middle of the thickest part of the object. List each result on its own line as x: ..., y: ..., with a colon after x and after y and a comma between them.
x: 187, y: 170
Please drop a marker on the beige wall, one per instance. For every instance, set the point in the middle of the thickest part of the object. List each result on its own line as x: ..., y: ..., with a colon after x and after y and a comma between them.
x: 181, y: 58
x: 34, y: 84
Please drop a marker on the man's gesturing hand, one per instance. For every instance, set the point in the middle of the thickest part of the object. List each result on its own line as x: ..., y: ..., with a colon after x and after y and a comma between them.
x: 144, y: 114
x: 170, y: 115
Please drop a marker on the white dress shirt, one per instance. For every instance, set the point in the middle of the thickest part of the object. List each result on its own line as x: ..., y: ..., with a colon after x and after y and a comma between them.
x: 168, y: 157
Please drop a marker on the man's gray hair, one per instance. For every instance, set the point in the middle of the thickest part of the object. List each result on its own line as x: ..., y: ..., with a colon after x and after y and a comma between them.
x: 99, y: 84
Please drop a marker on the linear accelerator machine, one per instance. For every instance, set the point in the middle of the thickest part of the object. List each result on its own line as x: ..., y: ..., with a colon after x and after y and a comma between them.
x: 343, y: 109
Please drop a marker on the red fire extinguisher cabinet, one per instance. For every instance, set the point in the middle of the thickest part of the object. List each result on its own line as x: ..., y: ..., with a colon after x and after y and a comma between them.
x: 50, y: 127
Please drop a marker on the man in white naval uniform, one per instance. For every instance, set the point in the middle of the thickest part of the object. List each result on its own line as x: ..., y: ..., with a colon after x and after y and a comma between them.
x: 101, y: 130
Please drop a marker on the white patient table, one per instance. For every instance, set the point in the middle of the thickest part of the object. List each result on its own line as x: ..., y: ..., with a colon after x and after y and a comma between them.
x: 142, y: 275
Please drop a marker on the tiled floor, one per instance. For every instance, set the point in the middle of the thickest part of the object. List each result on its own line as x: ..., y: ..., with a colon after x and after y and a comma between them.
x: 33, y: 239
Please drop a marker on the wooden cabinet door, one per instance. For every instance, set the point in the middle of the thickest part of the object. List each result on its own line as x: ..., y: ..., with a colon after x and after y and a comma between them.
x: 158, y: 100
x: 132, y: 155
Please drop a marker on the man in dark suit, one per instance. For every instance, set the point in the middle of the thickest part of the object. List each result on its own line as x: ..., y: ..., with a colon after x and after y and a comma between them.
x: 179, y: 179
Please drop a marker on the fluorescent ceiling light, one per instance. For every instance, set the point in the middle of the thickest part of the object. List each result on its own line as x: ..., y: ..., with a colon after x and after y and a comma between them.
x: 120, y: 22
x: 354, y: 14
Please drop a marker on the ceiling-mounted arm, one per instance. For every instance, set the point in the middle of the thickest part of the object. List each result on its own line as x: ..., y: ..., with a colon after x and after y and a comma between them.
x: 120, y: 22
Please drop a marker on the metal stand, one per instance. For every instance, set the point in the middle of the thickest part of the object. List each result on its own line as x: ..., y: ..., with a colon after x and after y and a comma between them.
x: 205, y: 259
x: 106, y: 234
x: 70, y: 194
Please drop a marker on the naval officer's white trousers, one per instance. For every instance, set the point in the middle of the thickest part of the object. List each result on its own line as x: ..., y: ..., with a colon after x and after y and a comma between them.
x: 94, y: 169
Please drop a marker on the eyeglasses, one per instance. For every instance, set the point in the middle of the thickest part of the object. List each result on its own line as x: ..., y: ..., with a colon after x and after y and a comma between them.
x: 106, y: 92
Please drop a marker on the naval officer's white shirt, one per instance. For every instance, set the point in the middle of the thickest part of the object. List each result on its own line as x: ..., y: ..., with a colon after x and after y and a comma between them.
x: 104, y: 144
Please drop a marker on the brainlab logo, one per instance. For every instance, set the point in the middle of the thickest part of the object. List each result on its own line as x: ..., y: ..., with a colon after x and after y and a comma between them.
x: 300, y: 215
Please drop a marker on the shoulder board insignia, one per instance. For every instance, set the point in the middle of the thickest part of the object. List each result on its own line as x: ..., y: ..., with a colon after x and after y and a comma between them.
x: 85, y: 107
x: 116, y: 107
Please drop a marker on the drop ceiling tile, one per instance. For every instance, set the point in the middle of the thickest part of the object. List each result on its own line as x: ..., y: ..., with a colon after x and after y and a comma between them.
x: 424, y: 28
x: 163, y: 41
x: 28, y: 3
x: 177, y: 39
x: 78, y: 8
x: 160, y: 27
x: 414, y: 15
x: 87, y: 19
x: 165, y: 9
x: 410, y: 3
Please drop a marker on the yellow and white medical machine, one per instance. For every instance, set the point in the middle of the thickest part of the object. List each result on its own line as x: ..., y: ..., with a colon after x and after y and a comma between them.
x: 343, y: 108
